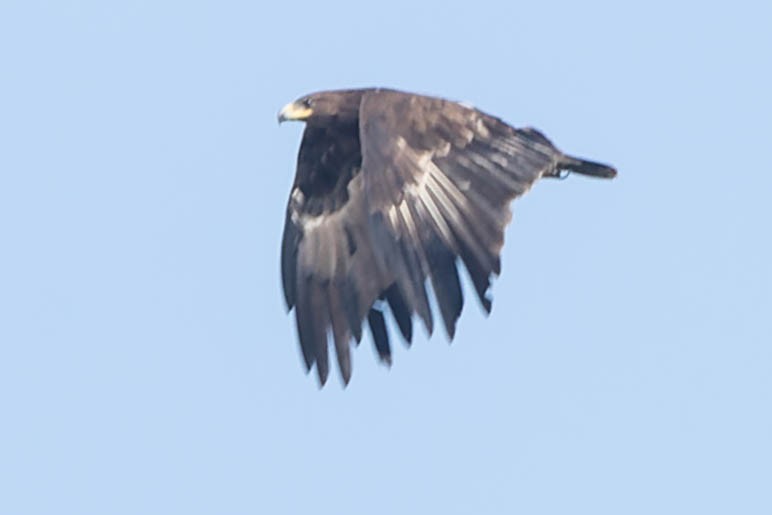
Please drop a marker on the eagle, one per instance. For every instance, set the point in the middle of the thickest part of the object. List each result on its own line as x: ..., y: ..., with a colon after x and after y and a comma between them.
x: 392, y: 191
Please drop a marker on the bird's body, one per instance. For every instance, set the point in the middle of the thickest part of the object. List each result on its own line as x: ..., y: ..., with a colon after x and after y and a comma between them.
x: 393, y: 189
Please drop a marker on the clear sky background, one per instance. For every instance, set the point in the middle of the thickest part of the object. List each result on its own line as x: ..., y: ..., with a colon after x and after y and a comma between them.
x: 147, y: 364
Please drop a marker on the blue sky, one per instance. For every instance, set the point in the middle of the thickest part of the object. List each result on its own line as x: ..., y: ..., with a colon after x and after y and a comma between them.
x: 147, y: 364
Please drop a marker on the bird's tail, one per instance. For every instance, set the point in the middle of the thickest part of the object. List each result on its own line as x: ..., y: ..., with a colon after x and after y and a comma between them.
x: 591, y: 168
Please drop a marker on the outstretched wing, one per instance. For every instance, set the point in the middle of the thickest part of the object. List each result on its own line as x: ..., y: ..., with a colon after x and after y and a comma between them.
x: 379, y: 208
x: 438, y: 179
x: 327, y: 259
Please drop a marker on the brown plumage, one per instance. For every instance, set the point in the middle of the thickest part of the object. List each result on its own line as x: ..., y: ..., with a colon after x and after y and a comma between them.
x: 392, y: 190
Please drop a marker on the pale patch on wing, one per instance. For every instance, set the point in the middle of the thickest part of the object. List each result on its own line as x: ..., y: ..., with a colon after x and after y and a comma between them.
x: 454, y: 204
x: 534, y: 152
x: 392, y: 214
x: 324, y: 247
x: 438, y: 200
x: 481, y: 129
x: 472, y: 161
x: 447, y: 185
x: 297, y: 196
x: 427, y: 196
x: 407, y: 218
x: 444, y: 150
x: 423, y: 192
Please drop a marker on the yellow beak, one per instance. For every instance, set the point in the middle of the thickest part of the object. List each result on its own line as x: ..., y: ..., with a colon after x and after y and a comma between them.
x: 294, y: 112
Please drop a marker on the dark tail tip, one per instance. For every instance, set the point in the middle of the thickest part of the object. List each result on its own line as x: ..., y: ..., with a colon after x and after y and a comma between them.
x: 591, y: 168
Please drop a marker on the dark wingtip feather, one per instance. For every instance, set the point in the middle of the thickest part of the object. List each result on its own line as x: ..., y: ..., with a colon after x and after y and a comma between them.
x: 446, y: 285
x: 350, y: 303
x: 487, y: 304
x: 322, y: 371
x: 344, y: 357
x: 400, y: 312
x: 312, y: 316
x: 306, y: 344
x: 380, y: 335
x: 341, y: 333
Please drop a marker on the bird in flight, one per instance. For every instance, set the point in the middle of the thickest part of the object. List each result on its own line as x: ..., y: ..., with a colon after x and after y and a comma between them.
x: 392, y: 189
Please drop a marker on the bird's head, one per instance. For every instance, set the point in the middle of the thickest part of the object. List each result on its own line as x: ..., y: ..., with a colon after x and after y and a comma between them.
x: 323, y: 108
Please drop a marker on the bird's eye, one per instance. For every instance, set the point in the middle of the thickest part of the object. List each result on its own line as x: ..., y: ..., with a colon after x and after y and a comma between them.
x: 306, y: 102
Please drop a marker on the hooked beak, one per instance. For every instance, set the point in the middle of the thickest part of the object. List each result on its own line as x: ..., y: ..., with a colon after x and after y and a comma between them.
x: 294, y: 112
